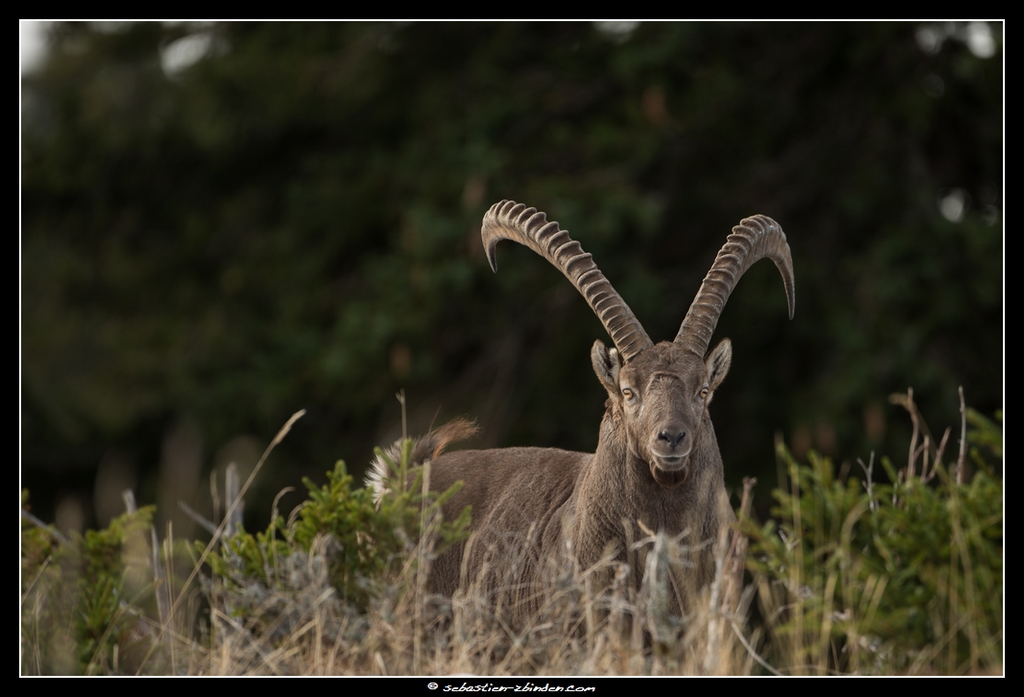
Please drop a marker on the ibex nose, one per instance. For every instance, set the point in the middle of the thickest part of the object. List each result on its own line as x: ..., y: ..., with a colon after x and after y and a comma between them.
x: 673, y: 438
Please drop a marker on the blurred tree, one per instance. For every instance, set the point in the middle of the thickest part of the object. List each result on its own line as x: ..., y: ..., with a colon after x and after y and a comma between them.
x: 224, y: 223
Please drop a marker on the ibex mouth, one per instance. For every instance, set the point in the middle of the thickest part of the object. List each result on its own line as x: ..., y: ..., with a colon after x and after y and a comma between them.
x: 671, y: 464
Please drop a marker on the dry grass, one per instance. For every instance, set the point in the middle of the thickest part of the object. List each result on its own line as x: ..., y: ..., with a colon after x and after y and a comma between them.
x: 177, y: 619
x: 410, y: 631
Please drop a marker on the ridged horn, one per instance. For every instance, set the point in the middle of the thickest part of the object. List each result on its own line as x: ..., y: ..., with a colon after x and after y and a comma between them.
x: 753, y: 239
x: 508, y: 220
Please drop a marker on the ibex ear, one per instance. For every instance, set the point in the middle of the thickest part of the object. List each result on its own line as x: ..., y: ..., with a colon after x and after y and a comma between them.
x: 717, y: 363
x: 606, y: 365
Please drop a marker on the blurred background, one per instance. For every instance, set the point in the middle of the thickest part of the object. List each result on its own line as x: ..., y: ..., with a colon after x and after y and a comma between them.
x: 225, y: 223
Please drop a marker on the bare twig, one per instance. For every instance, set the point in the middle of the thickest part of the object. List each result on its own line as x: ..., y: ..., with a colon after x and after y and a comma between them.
x: 907, y: 402
x: 232, y: 496
x: 868, y: 482
x: 963, y: 438
x: 920, y: 429
x: 737, y: 555
x: 400, y: 396
x: 197, y: 518
x: 54, y: 532
x: 750, y: 650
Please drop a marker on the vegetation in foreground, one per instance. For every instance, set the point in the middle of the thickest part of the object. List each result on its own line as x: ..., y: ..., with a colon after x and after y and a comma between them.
x: 857, y: 573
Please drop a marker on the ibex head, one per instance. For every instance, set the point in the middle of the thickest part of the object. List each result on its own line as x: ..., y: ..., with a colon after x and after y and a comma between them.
x: 658, y: 402
x: 657, y: 394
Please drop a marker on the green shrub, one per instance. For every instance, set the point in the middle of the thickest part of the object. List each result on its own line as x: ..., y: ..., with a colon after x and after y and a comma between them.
x: 903, y: 576
x: 364, y: 543
x: 87, y: 602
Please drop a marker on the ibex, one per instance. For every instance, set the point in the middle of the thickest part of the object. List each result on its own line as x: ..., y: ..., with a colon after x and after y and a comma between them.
x: 657, y: 466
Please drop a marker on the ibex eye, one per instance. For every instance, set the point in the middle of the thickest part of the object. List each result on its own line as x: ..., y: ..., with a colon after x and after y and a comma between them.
x: 703, y: 393
x: 627, y: 393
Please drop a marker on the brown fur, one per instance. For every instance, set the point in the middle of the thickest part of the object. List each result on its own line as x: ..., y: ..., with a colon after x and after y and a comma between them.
x: 539, y: 511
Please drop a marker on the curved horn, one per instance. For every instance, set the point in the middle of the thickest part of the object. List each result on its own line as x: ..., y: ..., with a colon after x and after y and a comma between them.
x: 753, y: 239
x: 508, y: 220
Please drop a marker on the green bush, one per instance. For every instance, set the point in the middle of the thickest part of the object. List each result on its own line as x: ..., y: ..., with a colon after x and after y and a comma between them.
x: 896, y: 577
x: 87, y: 602
x: 364, y: 542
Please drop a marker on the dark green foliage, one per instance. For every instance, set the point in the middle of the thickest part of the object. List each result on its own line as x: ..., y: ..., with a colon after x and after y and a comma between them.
x: 293, y: 220
x: 984, y: 435
x: 86, y: 604
x: 904, y: 576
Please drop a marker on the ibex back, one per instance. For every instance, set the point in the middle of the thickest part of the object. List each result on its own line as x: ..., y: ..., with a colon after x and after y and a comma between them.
x: 657, y: 466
